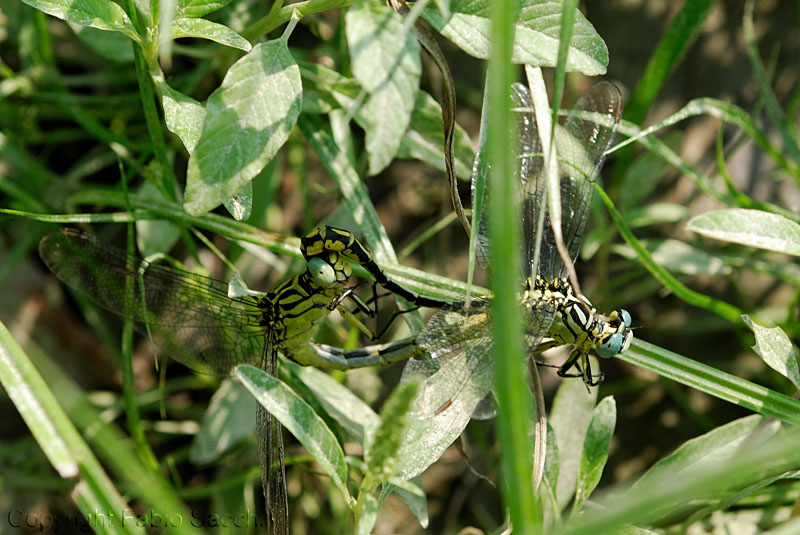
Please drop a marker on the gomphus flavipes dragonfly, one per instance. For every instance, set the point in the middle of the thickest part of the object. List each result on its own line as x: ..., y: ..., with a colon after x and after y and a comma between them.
x: 553, y: 310
x: 198, y: 322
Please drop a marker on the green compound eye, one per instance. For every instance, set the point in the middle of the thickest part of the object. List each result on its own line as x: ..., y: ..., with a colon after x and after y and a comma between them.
x: 321, y: 272
x: 611, y: 346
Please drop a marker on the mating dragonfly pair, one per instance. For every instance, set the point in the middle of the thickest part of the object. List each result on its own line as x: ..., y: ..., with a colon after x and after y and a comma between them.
x: 200, y: 323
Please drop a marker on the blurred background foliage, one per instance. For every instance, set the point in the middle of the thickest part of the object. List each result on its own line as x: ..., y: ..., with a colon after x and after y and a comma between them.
x: 69, y: 114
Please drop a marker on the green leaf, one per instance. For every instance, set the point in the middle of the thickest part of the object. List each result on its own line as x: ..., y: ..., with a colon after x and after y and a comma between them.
x: 368, y: 515
x: 100, y: 14
x: 241, y: 204
x: 425, y: 138
x: 111, y: 45
x: 198, y: 8
x: 706, y: 452
x: 205, y: 29
x: 678, y: 256
x: 248, y: 119
x: 775, y: 348
x: 753, y: 228
x: 349, y: 411
x: 381, y: 452
x: 570, y: 417
x: 183, y: 114
x: 231, y: 416
x: 595, y: 449
x: 300, y: 419
x: 536, y: 37
x: 386, y: 61
x: 412, y: 494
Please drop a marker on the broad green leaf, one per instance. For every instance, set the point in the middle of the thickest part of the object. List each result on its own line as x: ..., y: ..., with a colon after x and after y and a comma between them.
x: 241, y: 204
x: 386, y: 61
x: 205, y: 29
x: 198, y: 8
x: 183, y: 114
x: 680, y: 257
x: 100, y: 14
x: 775, y: 348
x: 248, y: 119
x: 111, y: 45
x: 706, y: 452
x: 569, y: 418
x: 425, y: 138
x: 300, y: 419
x: 536, y: 34
x: 355, y: 416
x: 753, y: 228
x: 412, y: 494
x: 231, y: 416
x: 595, y: 449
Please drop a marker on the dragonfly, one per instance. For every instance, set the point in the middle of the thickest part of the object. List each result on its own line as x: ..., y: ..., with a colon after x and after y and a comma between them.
x: 203, y: 324
x: 554, y: 313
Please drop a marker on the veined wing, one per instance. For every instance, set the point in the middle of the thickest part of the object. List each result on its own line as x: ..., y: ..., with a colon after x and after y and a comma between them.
x: 270, y: 448
x: 455, y: 380
x: 528, y: 154
x: 581, y: 143
x: 191, y: 315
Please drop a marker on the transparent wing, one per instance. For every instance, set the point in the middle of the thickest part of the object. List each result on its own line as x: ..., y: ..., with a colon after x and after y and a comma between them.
x: 528, y: 154
x: 191, y: 316
x: 273, y: 472
x: 581, y: 143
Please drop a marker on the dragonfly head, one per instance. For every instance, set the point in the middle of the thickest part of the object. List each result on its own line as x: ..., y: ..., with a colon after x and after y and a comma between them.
x: 321, y: 272
x: 618, y: 334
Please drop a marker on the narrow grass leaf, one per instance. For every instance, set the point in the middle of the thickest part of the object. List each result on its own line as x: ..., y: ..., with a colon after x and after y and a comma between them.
x: 35, y: 403
x: 355, y: 194
x: 385, y: 58
x: 712, y: 381
x: 300, y: 419
x: 595, y: 449
x: 570, y: 416
x: 775, y: 348
x: 198, y: 8
x: 249, y: 118
x: 100, y: 14
x: 206, y: 29
x: 231, y: 416
x: 425, y: 138
x: 183, y: 114
x: 536, y: 34
x: 752, y: 228
x: 669, y: 52
x: 61, y: 442
x: 355, y: 416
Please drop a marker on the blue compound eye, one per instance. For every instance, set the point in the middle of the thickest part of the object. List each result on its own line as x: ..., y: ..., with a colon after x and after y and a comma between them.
x: 611, y: 346
x: 626, y: 317
x: 321, y: 272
